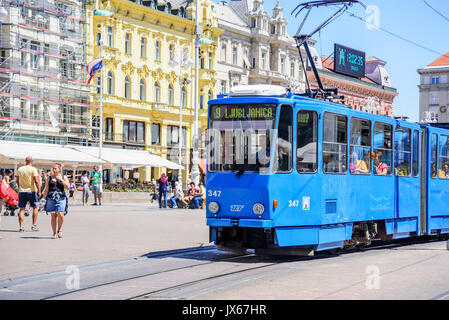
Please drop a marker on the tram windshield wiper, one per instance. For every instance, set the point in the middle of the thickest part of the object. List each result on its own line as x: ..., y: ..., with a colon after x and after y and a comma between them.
x: 240, y: 173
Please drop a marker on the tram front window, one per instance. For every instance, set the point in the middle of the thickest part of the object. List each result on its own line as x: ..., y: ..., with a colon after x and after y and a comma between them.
x: 240, y: 137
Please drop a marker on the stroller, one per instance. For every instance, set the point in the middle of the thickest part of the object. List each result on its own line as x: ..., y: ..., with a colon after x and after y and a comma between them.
x: 9, y: 197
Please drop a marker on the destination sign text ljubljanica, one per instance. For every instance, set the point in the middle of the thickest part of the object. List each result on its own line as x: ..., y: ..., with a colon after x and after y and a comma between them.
x: 349, y: 61
x: 243, y: 112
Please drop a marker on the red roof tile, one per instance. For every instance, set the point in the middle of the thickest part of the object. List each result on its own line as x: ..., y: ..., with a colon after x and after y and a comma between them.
x: 441, y: 61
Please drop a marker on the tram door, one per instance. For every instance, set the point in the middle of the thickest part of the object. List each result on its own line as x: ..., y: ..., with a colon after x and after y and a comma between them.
x: 406, y: 156
x: 424, y: 182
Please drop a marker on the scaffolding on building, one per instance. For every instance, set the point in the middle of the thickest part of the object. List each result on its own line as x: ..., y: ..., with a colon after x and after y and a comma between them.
x: 43, y: 93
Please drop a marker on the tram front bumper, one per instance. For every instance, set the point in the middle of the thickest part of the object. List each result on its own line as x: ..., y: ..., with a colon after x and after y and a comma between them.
x: 243, y: 223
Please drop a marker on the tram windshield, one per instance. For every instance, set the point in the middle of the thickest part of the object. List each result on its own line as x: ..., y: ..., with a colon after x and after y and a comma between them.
x: 240, y: 137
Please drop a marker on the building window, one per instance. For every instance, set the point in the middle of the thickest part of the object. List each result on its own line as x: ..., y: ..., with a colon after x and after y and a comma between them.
x: 157, y: 49
x: 435, y: 80
x: 201, y: 102
x: 170, y: 95
x: 127, y: 43
x: 273, y: 29
x: 234, y: 55
x: 134, y: 131
x: 282, y: 65
x: 253, y: 23
x: 143, y: 48
x: 173, y: 135
x: 210, y: 96
x: 292, y: 70
x: 109, y: 128
x: 34, y: 111
x: 156, y: 92
x: 202, y: 63
x: 142, y: 90
x: 435, y: 99
x: 127, y: 88
x: 110, y: 84
x: 223, y: 87
x: 172, y: 52
x: 223, y: 52
x: 155, y: 134
x: 110, y: 38
x: 98, y: 38
x: 264, y: 61
x: 211, y: 61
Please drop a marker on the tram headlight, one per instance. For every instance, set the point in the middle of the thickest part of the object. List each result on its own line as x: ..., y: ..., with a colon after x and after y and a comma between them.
x: 258, y: 209
x: 214, y: 207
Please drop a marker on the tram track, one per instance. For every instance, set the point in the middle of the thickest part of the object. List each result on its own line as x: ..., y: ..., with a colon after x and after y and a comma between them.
x: 176, y: 274
x: 212, y: 251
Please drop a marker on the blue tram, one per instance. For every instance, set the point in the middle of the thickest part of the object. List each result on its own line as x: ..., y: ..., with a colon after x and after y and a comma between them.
x: 291, y: 174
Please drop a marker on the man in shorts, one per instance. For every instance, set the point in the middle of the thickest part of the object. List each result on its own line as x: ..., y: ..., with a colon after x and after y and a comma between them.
x: 29, y: 183
x: 96, y: 181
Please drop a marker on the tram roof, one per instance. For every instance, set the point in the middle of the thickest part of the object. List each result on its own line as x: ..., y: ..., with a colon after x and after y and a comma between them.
x: 226, y: 99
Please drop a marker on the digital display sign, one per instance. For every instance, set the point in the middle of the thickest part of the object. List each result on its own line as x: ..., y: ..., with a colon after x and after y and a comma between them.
x: 243, y: 112
x: 349, y: 61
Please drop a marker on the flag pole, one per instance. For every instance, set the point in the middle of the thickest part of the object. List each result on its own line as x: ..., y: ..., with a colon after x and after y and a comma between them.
x: 100, y: 145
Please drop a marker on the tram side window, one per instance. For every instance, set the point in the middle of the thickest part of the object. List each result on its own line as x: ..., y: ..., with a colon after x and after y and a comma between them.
x: 284, y: 143
x: 402, y: 155
x: 360, y: 150
x: 443, y: 172
x: 383, y: 134
x: 433, y: 156
x: 307, y: 142
x: 335, y: 144
x: 415, y: 166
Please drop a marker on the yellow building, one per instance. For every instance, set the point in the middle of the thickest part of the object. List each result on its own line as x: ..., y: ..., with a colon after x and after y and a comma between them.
x: 144, y: 84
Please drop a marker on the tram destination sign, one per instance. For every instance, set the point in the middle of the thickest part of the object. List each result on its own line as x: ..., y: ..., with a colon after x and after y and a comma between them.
x: 349, y: 61
x: 243, y: 112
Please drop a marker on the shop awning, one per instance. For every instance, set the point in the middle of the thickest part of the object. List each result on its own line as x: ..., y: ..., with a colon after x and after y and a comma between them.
x: 129, y: 158
x: 12, y: 152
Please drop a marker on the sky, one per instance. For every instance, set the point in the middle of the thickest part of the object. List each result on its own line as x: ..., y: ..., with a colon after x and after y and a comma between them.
x: 411, y: 19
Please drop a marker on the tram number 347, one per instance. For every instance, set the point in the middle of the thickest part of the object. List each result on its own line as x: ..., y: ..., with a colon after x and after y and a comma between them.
x: 293, y: 203
x: 214, y: 193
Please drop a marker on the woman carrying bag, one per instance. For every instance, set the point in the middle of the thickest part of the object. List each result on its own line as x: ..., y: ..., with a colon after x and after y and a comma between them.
x: 56, y: 197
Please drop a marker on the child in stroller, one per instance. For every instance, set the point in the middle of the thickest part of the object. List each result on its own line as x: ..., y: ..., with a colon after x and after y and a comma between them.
x: 9, y: 198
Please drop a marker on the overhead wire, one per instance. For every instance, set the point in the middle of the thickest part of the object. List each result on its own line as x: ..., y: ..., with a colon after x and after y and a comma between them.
x: 438, y: 12
x: 396, y: 35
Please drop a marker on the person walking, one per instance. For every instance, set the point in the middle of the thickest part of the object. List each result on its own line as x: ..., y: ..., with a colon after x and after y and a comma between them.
x: 85, y: 185
x: 96, y: 181
x: 28, y: 182
x: 72, y: 189
x: 162, y: 182
x: 54, y: 192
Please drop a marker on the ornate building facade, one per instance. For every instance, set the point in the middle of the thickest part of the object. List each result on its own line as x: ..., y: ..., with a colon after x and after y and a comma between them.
x: 147, y: 77
x: 255, y: 48
x: 434, y: 91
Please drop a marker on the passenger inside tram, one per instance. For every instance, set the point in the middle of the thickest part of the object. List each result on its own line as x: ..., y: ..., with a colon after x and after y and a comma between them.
x: 357, y: 166
x: 380, y: 168
x: 444, y: 172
